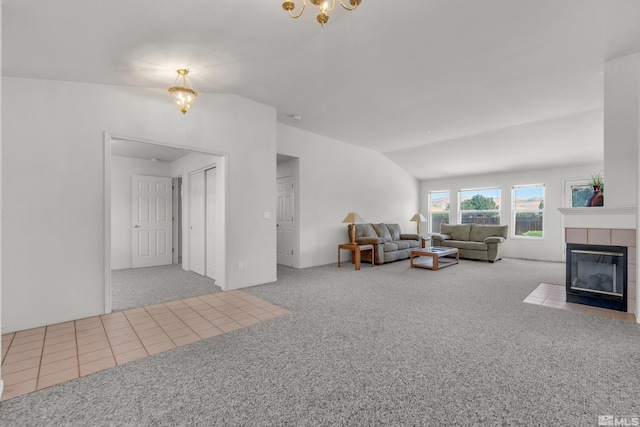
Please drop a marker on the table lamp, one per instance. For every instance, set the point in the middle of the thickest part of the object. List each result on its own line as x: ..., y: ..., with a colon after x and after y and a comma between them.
x: 352, y: 217
x: 418, y: 218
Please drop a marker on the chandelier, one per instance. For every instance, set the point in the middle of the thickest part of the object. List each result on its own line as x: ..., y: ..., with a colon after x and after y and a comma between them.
x: 323, y: 7
x: 183, y: 95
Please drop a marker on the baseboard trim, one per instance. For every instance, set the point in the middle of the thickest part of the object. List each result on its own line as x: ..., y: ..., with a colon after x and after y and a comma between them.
x: 248, y: 285
x: 1, y: 388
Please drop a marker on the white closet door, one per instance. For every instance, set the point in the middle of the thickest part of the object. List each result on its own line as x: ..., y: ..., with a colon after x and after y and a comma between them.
x: 211, y: 222
x: 197, y: 225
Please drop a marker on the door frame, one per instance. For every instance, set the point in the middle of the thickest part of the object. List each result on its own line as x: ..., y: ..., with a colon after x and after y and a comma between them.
x: 223, y: 176
x: 293, y: 221
x: 293, y: 170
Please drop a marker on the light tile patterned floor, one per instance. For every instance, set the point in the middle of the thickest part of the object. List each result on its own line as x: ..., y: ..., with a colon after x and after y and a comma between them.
x: 42, y: 357
x: 554, y: 296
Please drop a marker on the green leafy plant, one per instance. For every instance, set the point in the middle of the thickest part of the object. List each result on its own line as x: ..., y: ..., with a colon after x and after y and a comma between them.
x: 596, y: 179
x: 533, y: 233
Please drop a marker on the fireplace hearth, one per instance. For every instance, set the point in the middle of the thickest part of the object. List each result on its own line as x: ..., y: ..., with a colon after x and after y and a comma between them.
x: 597, y: 276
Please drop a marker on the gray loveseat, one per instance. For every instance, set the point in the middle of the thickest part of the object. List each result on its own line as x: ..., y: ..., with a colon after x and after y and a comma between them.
x: 474, y: 241
x: 389, y: 243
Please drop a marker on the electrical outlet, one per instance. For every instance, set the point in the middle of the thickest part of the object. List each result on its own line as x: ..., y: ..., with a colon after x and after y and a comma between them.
x: 240, y: 265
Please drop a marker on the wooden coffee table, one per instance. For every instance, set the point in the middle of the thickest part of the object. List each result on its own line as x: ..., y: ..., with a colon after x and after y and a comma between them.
x: 435, y: 257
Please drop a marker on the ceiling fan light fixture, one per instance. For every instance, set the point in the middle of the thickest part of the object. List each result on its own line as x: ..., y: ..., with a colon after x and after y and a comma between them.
x: 323, y: 7
x: 183, y: 95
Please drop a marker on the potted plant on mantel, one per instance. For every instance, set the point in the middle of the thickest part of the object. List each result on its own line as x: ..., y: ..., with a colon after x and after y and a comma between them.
x: 596, y: 198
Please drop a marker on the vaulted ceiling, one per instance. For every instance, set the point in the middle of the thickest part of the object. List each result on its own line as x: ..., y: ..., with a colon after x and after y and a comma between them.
x: 416, y: 81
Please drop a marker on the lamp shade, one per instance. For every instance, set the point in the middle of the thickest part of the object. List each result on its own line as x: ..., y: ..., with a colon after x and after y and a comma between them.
x: 353, y: 217
x: 418, y: 217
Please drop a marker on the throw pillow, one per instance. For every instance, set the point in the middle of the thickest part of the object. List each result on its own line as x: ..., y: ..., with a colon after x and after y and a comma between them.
x: 479, y: 232
x: 365, y: 230
x: 456, y: 231
x: 394, y: 230
x: 382, y: 231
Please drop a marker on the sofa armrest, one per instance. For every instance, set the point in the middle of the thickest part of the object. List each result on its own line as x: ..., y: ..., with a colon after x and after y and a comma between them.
x: 440, y: 237
x: 369, y: 240
x: 411, y: 237
x: 494, y: 239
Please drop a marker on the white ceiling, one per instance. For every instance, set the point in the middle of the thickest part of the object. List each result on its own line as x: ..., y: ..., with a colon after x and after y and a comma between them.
x: 379, y: 77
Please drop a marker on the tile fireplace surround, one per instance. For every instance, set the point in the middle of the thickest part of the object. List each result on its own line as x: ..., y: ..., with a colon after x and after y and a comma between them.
x: 613, y: 225
x: 611, y: 237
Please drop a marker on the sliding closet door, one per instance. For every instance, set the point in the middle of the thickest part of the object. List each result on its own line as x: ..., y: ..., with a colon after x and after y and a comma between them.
x: 211, y: 222
x: 197, y: 224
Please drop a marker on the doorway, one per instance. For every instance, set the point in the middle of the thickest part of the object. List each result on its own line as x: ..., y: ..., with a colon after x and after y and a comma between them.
x: 285, y: 221
x: 177, y: 170
x: 288, y: 211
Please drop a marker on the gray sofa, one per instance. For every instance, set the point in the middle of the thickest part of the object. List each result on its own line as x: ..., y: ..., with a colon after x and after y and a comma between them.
x: 474, y: 241
x: 390, y: 244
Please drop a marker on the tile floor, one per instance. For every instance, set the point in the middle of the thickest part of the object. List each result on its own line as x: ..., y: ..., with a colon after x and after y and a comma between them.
x: 42, y: 357
x: 554, y: 296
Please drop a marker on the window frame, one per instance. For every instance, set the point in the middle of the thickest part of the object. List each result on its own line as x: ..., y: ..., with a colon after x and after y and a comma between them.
x: 461, y: 212
x: 515, y: 211
x: 430, y: 212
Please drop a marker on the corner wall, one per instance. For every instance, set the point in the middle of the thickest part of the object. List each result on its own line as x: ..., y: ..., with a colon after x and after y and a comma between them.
x: 337, y: 178
x: 53, y: 137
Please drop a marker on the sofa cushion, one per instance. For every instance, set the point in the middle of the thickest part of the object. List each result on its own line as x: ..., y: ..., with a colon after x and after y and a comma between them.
x: 365, y: 230
x: 413, y: 243
x: 390, y: 247
x: 478, y: 246
x: 383, y: 231
x: 456, y: 231
x: 394, y: 230
x: 480, y: 232
x: 402, y: 244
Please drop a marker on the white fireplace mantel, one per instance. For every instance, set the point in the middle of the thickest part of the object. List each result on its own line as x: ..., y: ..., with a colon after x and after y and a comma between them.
x: 600, y: 217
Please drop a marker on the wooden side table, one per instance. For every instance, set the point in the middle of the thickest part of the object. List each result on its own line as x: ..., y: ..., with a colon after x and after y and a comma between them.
x: 355, y: 252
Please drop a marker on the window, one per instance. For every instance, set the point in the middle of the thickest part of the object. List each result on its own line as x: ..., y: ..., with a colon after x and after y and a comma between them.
x: 439, y: 205
x: 480, y: 206
x: 528, y: 210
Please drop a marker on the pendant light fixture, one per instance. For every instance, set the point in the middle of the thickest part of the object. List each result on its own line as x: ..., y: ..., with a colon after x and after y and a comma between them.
x: 184, y: 95
x: 323, y: 6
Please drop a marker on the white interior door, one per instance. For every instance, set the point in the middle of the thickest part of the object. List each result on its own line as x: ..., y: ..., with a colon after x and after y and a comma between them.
x: 197, y: 224
x: 151, y: 232
x: 210, y: 178
x: 285, y: 221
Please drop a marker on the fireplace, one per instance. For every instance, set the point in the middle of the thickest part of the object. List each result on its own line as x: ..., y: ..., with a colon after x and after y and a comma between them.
x: 597, y: 276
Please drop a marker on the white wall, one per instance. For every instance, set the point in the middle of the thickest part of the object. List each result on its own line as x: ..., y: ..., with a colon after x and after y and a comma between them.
x: 53, y: 189
x: 1, y: 197
x: 122, y: 169
x: 336, y: 178
x: 550, y: 247
x: 621, y: 133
